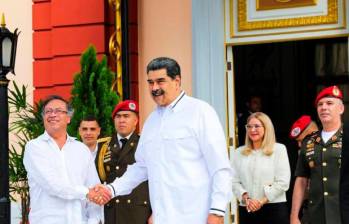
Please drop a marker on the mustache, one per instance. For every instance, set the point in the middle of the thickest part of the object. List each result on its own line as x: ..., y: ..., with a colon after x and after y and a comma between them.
x: 157, y: 92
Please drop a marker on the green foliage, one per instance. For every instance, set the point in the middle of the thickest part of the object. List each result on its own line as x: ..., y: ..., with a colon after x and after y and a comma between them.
x: 27, y: 124
x: 92, y: 93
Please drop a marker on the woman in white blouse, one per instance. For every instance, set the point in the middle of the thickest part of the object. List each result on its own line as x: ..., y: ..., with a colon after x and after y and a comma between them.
x: 262, y: 174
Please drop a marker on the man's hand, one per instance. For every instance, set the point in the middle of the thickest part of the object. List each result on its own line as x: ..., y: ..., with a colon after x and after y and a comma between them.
x: 150, y: 219
x: 294, y: 219
x: 99, y: 194
x: 215, y: 219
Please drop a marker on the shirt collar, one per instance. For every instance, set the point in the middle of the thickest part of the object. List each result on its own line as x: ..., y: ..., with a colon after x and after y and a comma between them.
x: 174, y: 103
x: 127, y: 137
x: 48, y: 137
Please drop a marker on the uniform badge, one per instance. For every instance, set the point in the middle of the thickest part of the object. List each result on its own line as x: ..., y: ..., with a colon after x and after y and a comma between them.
x: 335, y: 91
x: 310, y: 146
x: 310, y: 153
x: 337, y: 145
x: 295, y: 132
x: 311, y: 164
x: 132, y: 106
x: 106, y: 160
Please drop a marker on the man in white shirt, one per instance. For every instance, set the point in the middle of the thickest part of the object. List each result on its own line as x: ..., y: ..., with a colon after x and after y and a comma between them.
x: 182, y: 153
x: 89, y: 131
x: 60, y: 172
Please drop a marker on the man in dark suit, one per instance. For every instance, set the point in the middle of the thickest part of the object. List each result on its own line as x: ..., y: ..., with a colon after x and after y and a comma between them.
x: 344, y: 178
x: 114, y: 155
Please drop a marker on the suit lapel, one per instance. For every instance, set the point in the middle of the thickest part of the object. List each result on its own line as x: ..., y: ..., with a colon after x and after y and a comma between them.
x: 131, y: 143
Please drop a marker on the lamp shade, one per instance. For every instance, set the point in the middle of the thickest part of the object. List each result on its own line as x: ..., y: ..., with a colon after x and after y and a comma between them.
x: 8, y: 47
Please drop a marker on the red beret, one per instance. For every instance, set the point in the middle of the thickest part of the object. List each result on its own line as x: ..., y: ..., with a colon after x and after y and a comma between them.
x: 332, y: 91
x: 127, y: 105
x: 299, y: 126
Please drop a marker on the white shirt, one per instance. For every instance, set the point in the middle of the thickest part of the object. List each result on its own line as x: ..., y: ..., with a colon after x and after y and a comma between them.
x: 326, y: 135
x: 260, y: 175
x: 182, y: 152
x: 94, y: 152
x: 59, y: 180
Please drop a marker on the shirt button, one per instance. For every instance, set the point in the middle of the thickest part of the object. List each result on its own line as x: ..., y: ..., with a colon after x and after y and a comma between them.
x: 128, y: 201
x: 145, y: 202
x: 117, y: 201
x: 324, y: 179
x: 325, y: 193
x: 324, y: 149
x: 117, y: 167
x: 324, y: 164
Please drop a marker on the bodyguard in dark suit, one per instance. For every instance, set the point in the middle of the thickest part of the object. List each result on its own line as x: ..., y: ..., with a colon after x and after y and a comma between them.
x: 114, y: 155
x: 344, y: 182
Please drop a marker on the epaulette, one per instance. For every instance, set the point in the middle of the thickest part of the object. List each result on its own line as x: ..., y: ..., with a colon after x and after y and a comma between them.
x: 105, y: 139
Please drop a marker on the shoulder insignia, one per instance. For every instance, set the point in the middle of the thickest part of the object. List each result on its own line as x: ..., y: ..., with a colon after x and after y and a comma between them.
x: 100, y: 161
x: 100, y: 140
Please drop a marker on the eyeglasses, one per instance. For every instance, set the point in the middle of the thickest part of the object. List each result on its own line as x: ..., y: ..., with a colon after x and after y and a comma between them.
x: 55, y: 111
x: 255, y: 126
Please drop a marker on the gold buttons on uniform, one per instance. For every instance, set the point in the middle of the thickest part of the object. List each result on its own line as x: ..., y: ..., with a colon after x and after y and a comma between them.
x: 128, y: 201
x: 324, y: 179
x: 117, y: 200
x: 145, y: 202
x: 117, y: 167
x: 324, y: 164
x: 324, y: 149
x: 325, y: 193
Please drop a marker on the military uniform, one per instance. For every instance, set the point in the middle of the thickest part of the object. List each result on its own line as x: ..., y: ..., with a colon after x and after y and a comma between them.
x: 112, y: 162
x: 320, y: 162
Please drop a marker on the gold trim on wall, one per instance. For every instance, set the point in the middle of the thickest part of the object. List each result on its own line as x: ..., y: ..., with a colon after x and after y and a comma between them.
x: 244, y: 25
x: 281, y: 4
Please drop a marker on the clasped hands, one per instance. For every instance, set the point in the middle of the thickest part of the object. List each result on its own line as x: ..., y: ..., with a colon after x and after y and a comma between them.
x: 253, y: 205
x: 99, y: 194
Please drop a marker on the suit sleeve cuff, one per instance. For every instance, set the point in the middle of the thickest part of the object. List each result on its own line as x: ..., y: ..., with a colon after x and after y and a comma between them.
x: 112, y: 190
x: 216, y: 211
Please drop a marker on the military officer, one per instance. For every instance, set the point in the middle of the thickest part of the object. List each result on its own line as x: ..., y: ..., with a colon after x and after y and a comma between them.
x: 114, y: 155
x: 320, y: 161
x: 300, y: 130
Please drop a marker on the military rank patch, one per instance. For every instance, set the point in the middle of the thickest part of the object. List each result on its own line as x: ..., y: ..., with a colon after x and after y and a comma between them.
x: 310, y: 153
x: 337, y: 145
x: 310, y: 146
x: 106, y: 160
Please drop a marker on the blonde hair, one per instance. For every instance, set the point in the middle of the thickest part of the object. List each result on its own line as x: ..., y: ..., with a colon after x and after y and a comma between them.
x: 268, y: 138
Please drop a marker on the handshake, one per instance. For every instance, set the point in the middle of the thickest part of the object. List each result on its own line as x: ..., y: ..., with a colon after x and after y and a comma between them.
x: 99, y: 194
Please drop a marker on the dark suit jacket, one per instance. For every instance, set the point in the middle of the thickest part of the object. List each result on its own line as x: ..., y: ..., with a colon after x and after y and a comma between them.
x: 344, y: 180
x: 128, y: 209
